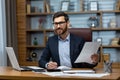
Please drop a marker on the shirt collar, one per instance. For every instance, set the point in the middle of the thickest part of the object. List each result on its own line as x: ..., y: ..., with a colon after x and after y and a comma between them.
x: 67, y: 38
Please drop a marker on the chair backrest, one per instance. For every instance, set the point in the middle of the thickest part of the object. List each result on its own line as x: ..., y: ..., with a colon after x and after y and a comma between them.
x: 86, y: 33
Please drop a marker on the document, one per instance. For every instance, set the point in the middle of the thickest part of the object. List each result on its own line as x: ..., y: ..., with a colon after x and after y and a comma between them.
x: 89, y: 49
x: 62, y: 74
x: 64, y: 68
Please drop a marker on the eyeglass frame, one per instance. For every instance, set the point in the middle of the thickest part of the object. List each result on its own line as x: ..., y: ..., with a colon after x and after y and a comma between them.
x: 60, y: 23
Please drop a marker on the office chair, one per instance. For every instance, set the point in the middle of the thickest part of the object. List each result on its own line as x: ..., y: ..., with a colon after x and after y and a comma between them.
x: 86, y: 33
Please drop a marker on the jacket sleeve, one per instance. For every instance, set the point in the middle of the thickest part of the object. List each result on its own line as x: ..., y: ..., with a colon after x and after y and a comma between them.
x: 45, y: 56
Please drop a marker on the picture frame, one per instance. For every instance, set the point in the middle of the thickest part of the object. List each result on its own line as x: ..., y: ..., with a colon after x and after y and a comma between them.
x: 93, y: 6
x: 65, y: 5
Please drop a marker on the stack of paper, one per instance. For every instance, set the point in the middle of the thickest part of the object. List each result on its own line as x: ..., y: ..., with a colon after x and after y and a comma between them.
x: 98, y: 75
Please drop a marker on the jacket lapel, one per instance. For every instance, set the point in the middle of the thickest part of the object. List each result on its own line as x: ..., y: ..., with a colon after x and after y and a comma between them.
x: 56, y: 50
x: 71, y: 47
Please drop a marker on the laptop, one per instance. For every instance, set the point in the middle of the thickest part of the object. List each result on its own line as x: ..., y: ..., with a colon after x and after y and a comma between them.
x: 14, y: 61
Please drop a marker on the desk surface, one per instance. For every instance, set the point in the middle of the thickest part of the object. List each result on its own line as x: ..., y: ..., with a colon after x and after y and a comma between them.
x: 7, y: 73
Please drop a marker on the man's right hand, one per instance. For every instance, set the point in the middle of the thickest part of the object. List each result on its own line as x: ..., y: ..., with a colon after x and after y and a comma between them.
x: 52, y: 65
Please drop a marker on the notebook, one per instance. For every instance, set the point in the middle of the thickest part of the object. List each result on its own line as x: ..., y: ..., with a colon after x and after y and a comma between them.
x: 78, y: 71
x: 14, y: 61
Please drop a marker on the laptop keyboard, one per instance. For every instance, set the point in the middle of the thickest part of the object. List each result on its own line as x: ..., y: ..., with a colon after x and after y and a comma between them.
x: 25, y: 68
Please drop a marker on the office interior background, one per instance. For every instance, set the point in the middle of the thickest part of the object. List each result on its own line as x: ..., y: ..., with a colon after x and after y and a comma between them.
x: 8, y: 24
x: 8, y: 29
x: 3, y: 57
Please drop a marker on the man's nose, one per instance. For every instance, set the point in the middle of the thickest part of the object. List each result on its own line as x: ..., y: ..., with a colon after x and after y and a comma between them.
x: 58, y: 25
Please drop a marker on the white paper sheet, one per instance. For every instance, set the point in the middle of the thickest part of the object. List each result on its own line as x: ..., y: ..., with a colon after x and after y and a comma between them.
x: 34, y: 67
x: 98, y: 75
x: 64, y: 68
x: 89, y: 48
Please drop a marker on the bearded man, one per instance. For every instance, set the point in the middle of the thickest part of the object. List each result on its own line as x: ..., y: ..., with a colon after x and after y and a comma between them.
x: 63, y: 48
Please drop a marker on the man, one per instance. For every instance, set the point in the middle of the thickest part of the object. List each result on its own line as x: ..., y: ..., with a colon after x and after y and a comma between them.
x: 63, y: 48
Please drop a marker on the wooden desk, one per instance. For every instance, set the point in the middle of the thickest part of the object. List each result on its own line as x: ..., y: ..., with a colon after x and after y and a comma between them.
x: 7, y: 73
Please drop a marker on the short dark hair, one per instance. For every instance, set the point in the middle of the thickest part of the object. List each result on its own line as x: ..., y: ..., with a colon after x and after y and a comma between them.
x: 61, y: 13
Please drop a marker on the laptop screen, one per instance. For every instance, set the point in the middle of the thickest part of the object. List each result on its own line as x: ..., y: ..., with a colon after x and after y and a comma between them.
x: 12, y: 58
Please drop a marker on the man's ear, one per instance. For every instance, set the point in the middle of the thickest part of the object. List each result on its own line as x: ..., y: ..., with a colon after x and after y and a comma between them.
x: 68, y: 24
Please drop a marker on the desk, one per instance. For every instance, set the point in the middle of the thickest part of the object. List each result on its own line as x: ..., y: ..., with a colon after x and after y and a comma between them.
x: 7, y: 73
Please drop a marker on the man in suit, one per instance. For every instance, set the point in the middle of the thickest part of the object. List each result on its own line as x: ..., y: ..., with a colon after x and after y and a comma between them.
x: 63, y: 48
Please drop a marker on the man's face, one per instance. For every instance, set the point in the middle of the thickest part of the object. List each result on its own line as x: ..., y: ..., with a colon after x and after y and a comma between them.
x: 60, y: 25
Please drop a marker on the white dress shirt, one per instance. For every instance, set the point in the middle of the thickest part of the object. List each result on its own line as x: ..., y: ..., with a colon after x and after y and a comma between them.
x: 64, y: 51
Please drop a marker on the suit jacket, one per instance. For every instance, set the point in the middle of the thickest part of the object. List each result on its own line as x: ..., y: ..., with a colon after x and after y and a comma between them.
x: 51, y: 52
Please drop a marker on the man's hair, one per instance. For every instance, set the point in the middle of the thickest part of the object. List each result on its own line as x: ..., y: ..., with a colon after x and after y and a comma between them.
x: 61, y: 13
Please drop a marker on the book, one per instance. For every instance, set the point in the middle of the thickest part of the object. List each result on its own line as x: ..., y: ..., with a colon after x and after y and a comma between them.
x: 78, y: 71
x: 28, y: 8
x: 81, y: 5
x: 47, y: 6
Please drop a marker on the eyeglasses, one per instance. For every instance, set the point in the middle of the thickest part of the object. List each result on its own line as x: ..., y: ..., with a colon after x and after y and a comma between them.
x: 60, y: 23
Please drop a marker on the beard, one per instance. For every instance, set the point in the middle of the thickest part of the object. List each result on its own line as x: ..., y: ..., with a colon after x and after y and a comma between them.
x: 60, y: 31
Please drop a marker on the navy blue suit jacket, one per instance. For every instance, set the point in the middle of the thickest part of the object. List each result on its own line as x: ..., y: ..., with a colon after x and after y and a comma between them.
x: 51, y: 52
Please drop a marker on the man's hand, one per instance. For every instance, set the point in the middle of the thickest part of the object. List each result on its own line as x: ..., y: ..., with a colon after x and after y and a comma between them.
x: 95, y: 58
x: 52, y: 65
